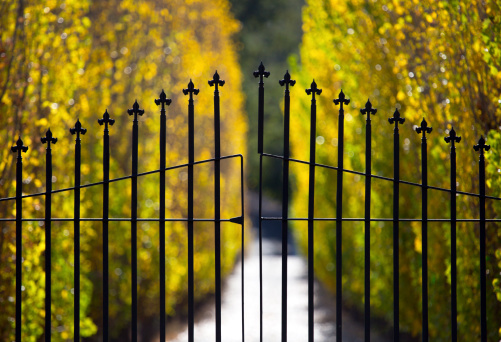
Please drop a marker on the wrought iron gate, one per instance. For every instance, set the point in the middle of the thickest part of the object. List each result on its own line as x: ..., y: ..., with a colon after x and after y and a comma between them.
x: 261, y: 73
x: 78, y: 131
x: 396, y: 120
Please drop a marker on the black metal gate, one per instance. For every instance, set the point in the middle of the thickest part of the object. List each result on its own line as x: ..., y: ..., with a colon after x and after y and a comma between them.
x: 261, y: 73
x: 396, y: 120
x: 78, y: 131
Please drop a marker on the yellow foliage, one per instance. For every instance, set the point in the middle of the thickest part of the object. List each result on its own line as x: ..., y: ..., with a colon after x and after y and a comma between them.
x: 432, y: 59
x: 63, y: 60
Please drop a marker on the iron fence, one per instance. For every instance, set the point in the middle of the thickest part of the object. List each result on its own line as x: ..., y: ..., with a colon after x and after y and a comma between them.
x: 396, y: 120
x: 78, y: 131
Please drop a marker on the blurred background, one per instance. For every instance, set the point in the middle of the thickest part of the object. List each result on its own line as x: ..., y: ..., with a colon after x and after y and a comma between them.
x: 63, y: 60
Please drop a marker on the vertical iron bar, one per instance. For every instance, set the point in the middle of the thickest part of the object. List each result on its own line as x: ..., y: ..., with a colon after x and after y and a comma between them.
x: 163, y: 123
x: 261, y: 73
x: 106, y: 203
x: 260, y: 126
x: 285, y: 199
x: 76, y: 237
x: 107, y: 121
x: 135, y: 138
x: 483, y: 303
x: 48, y: 253
x: 163, y: 100
x: 242, y: 197
x: 339, y: 216
x: 367, y: 256
x: 133, y: 207
x: 481, y: 147
x: 216, y: 81
x: 19, y: 147
x: 396, y: 249
x: 396, y: 119
x: 19, y: 243
x: 313, y: 90
x: 191, y: 159
x: 367, y: 243
x: 48, y: 215
x: 260, y: 247
x: 453, y: 139
x: 454, y: 309
x: 424, y: 225
x: 424, y: 237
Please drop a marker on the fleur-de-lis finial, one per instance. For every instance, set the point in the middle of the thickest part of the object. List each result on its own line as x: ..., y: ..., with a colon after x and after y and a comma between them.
x: 423, y: 128
x: 106, y: 120
x: 481, y: 146
x: 19, y: 147
x: 287, y: 81
x: 135, y: 110
x: 78, y: 129
x: 453, y: 137
x: 216, y: 81
x: 396, y: 119
x: 48, y: 138
x: 191, y: 90
x: 341, y: 99
x: 163, y: 100
x: 313, y: 90
x: 368, y: 109
x: 260, y: 72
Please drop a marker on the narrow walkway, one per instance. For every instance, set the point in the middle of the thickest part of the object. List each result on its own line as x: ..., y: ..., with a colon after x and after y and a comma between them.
x: 297, y: 322
x: 297, y: 304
